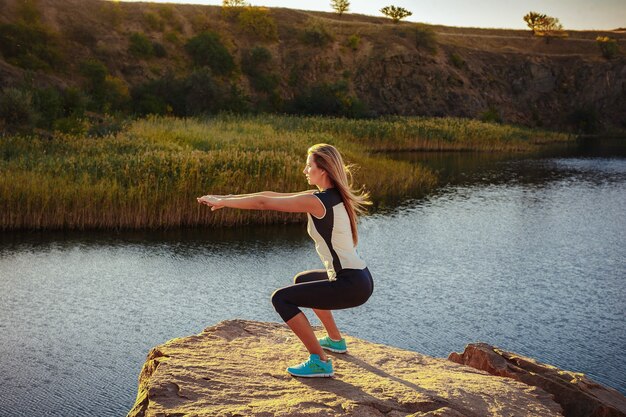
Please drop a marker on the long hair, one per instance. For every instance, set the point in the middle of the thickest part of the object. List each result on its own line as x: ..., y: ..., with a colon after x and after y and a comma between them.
x: 328, y: 158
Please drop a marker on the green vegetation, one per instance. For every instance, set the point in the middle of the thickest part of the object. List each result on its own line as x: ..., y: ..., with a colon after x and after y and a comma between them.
x: 491, y: 115
x: 140, y: 46
x: 30, y: 46
x: 534, y: 20
x: 457, y: 61
x: 425, y: 38
x: 106, y: 92
x: 206, y: 49
x: 340, y: 6
x: 354, y: 41
x: 544, y: 25
x: 256, y: 22
x: 197, y: 94
x: 234, y: 3
x: 257, y: 65
x: 328, y: 100
x: 113, y: 13
x: 608, y: 47
x: 316, y: 34
x: 584, y: 119
x: 395, y: 13
x: 149, y: 173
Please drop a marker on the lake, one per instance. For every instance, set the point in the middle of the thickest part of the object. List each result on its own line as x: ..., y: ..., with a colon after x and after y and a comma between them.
x: 525, y: 253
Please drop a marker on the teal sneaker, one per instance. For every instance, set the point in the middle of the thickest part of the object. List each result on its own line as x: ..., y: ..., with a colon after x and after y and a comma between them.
x: 313, y: 368
x: 332, y: 345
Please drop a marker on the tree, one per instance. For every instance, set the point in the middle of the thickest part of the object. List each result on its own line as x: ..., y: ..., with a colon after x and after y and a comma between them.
x: 234, y: 3
x: 395, y: 13
x: 607, y: 46
x: 533, y: 20
x: 232, y: 8
x: 544, y: 25
x: 340, y: 6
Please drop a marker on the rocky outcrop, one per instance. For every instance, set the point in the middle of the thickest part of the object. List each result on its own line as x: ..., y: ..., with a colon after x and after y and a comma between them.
x: 237, y: 368
x: 578, y: 395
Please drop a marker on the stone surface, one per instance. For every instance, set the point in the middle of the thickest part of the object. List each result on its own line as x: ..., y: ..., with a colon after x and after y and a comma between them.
x: 237, y: 368
x: 578, y: 395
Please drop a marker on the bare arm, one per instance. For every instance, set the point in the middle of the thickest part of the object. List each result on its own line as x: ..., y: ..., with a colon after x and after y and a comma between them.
x: 298, y: 203
x: 270, y: 194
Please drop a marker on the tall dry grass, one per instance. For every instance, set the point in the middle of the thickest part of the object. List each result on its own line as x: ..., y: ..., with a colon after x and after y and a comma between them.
x: 148, y: 175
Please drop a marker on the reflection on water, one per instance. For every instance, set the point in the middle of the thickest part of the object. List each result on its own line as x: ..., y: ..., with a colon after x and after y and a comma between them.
x: 527, y: 254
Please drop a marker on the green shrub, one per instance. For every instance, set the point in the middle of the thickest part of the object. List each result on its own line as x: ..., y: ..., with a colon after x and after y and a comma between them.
x: 354, y: 41
x: 608, y: 47
x: 425, y: 39
x: 30, y: 46
x: 256, y: 63
x: 82, y: 34
x: 457, y: 61
x: 255, y: 58
x: 16, y: 108
x: 94, y: 70
x: 112, y: 13
x: 107, y: 125
x: 166, y: 12
x: 328, y: 99
x: 584, y: 119
x: 74, y: 102
x: 198, y: 94
x: 161, y: 96
x: 72, y: 125
x: 153, y: 21
x: 172, y: 37
x: 257, y: 22
x: 200, y: 23
x: 232, y: 8
x: 140, y: 46
x: 48, y: 102
x: 28, y: 11
x: 491, y: 115
x: 206, y: 49
x: 203, y: 93
x: 316, y: 34
x: 107, y: 92
x: 158, y: 50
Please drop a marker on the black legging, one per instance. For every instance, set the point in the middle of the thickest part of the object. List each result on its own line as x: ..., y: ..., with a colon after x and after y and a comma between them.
x: 313, y: 289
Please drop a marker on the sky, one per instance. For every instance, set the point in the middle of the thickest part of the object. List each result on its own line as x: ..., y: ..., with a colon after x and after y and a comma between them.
x: 573, y: 14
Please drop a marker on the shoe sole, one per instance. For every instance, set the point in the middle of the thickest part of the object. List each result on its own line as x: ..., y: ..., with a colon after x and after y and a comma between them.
x: 335, y: 350
x: 331, y: 375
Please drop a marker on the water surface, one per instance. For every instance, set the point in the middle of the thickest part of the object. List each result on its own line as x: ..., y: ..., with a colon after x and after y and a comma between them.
x: 524, y: 253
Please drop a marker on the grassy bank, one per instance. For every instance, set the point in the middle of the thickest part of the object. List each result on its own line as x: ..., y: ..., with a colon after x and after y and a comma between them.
x: 148, y: 175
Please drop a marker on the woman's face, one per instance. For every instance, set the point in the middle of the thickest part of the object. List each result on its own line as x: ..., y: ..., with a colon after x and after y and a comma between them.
x: 313, y: 173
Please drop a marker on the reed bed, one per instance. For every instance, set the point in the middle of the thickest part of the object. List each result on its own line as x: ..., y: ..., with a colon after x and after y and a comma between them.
x: 148, y: 175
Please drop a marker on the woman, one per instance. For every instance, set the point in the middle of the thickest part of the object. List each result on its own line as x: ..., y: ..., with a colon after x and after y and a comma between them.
x: 345, y: 282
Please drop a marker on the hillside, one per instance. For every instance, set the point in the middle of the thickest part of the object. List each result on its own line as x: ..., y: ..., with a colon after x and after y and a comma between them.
x: 136, y: 57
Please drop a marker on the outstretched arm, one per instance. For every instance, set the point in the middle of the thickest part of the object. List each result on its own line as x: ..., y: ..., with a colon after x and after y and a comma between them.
x: 270, y: 194
x: 298, y: 203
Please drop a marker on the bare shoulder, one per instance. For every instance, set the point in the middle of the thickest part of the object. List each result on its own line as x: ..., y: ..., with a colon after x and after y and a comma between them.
x: 301, y: 203
x: 310, y: 203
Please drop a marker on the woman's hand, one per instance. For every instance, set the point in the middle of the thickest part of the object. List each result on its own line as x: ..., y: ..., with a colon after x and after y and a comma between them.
x: 213, y: 201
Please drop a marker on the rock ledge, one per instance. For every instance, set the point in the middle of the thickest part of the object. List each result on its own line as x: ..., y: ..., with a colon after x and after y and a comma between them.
x: 237, y: 368
x: 576, y: 393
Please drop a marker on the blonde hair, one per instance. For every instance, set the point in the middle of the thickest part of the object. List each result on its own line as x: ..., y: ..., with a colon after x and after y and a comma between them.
x: 328, y: 158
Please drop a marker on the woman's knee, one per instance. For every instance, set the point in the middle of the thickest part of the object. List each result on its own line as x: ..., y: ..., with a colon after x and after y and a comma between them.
x: 277, y: 297
x: 297, y: 279
x: 309, y: 276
